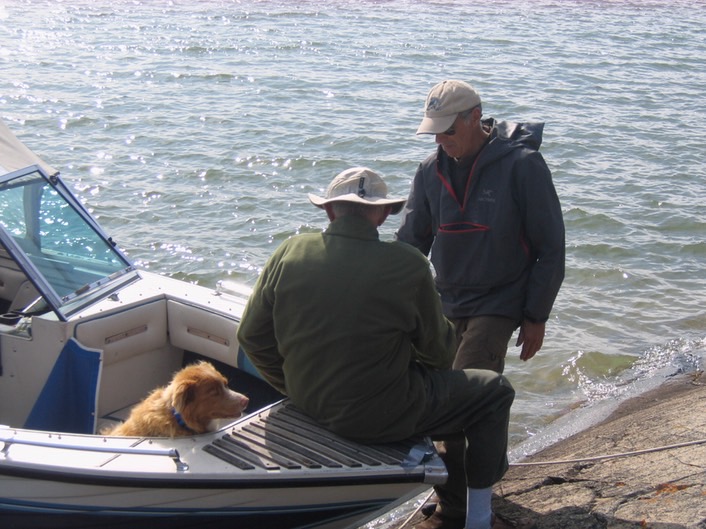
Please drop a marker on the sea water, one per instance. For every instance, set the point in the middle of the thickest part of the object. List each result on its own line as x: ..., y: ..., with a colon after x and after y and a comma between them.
x: 194, y: 131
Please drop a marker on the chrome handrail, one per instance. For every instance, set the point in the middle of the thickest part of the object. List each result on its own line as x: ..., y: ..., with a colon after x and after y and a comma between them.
x: 130, y: 450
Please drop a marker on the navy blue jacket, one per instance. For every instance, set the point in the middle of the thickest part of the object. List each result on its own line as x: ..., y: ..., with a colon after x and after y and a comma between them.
x: 500, y: 249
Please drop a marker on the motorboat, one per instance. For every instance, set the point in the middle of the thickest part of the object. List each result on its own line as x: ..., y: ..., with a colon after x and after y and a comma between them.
x: 85, y: 335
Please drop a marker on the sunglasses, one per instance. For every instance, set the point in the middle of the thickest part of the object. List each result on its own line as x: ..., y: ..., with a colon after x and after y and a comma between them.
x: 449, y: 132
x: 463, y: 115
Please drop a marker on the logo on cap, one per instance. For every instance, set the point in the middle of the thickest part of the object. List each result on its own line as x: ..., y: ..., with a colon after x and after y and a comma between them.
x: 361, y: 187
x: 434, y: 104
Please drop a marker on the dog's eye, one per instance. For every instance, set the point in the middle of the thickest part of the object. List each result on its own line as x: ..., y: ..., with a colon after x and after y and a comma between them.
x: 216, y: 391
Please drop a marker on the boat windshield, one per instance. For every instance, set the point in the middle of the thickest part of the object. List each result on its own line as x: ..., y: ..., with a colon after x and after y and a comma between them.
x: 52, y: 238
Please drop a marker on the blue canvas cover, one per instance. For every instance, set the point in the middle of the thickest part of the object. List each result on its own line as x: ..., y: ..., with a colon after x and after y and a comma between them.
x: 67, y: 402
x: 245, y: 364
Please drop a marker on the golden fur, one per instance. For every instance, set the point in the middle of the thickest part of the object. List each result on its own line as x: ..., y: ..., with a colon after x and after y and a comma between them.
x: 199, y: 393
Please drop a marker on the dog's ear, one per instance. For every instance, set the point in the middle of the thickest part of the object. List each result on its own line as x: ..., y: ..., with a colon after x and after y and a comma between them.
x: 184, y: 394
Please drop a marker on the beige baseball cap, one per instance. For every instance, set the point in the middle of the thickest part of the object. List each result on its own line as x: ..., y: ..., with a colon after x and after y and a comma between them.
x: 361, y: 185
x: 443, y: 104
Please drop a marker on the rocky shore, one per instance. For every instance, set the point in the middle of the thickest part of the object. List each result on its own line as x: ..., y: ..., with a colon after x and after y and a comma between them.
x: 644, y: 466
x: 657, y: 480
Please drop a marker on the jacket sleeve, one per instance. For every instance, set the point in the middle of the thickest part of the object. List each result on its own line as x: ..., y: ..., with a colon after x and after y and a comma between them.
x: 435, y: 340
x: 544, y: 229
x: 256, y: 332
x: 416, y: 227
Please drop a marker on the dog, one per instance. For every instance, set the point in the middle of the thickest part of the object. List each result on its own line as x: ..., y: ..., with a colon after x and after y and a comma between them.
x: 196, y: 395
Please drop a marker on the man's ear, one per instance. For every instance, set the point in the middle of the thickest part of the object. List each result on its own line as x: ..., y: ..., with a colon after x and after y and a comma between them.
x: 329, y: 212
x: 385, y: 213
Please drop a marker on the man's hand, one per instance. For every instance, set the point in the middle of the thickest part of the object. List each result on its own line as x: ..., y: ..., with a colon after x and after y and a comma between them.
x: 531, y: 338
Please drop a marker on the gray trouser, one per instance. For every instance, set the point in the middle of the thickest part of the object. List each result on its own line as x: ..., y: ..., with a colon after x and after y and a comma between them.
x: 482, y: 343
x: 475, y: 404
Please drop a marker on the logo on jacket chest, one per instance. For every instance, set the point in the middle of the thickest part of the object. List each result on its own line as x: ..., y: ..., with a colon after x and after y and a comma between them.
x: 487, y: 195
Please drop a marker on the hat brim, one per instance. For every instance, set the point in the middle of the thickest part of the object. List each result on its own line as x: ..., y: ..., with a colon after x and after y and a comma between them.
x: 396, y: 203
x: 436, y: 125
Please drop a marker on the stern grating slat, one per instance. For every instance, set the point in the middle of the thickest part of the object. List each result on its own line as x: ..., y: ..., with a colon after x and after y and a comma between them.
x: 284, y: 438
x: 229, y: 444
x: 228, y: 457
x: 284, y: 443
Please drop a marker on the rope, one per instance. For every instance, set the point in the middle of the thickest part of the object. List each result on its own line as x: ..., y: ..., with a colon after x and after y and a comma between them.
x: 610, y: 456
x: 419, y: 508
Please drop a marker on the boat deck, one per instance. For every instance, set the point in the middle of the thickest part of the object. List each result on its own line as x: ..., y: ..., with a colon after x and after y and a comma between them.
x: 285, y: 438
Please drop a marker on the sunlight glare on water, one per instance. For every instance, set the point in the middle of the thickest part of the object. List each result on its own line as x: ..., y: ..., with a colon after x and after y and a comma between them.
x: 194, y: 131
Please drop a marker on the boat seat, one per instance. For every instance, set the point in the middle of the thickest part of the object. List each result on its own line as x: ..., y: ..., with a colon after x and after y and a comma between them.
x: 126, y: 333
x: 113, y: 418
x: 135, y: 348
x: 208, y: 333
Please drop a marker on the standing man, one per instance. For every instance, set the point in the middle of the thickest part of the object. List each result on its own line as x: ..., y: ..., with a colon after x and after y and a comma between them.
x: 350, y: 328
x: 485, y: 208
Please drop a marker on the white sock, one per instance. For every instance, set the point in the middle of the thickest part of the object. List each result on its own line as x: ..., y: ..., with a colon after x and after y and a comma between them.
x: 478, y: 512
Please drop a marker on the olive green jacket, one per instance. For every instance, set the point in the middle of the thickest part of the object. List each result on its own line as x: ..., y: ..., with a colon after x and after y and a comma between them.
x: 345, y: 324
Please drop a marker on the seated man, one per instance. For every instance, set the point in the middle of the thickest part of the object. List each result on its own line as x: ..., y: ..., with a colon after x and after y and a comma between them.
x: 350, y: 329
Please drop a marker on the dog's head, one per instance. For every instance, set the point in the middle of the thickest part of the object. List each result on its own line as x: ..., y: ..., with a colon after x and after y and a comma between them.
x: 200, y: 394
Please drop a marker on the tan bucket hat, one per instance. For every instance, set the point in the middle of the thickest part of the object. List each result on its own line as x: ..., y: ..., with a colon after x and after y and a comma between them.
x: 360, y: 185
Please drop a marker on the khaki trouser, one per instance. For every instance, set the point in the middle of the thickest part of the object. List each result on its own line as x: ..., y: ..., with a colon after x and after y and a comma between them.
x: 482, y: 343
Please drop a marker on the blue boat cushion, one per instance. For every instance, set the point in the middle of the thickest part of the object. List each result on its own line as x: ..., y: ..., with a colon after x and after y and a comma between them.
x: 67, y: 403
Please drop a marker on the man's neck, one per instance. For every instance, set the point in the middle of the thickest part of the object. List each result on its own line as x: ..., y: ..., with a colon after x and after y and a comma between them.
x: 480, y: 141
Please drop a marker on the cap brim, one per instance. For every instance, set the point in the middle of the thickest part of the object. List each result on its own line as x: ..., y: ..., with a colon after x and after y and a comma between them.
x: 396, y: 203
x: 436, y: 125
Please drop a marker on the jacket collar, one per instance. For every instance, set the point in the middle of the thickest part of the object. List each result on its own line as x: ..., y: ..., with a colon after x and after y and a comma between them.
x: 352, y: 226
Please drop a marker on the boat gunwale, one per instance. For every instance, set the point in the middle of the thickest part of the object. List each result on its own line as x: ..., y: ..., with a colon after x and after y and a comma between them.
x: 182, y: 480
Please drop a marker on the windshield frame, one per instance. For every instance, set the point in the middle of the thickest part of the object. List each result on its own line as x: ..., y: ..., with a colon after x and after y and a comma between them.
x: 58, y: 245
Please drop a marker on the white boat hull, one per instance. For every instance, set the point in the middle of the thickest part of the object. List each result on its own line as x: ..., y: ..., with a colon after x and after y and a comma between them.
x: 275, y: 468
